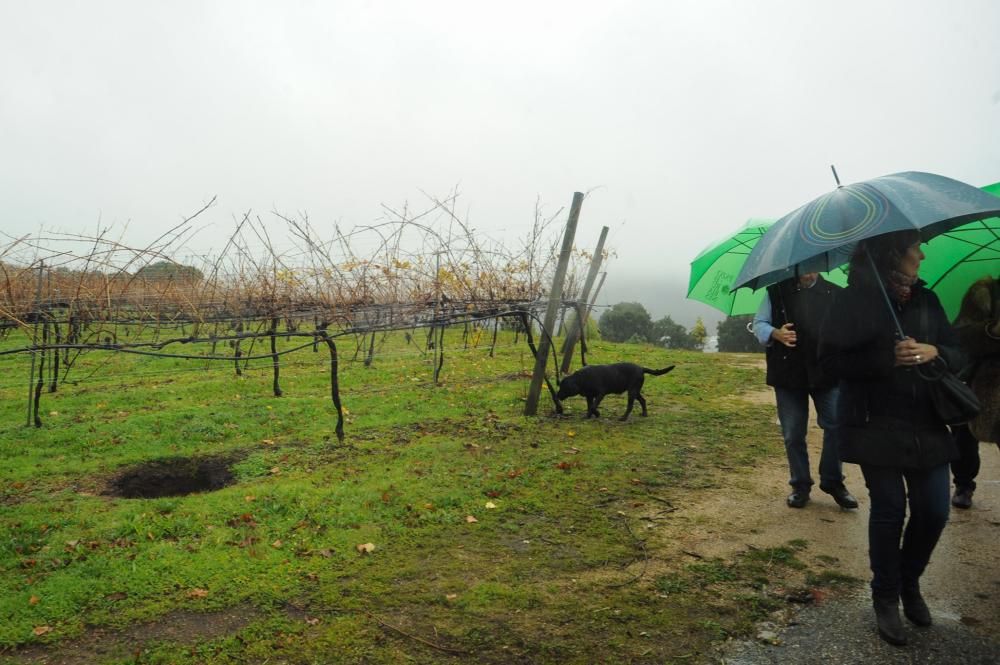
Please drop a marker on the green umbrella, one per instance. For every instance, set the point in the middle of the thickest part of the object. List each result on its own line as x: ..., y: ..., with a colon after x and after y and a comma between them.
x: 713, y: 271
x: 956, y: 259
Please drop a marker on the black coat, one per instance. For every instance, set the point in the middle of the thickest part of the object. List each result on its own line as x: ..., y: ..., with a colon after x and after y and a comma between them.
x: 797, y: 367
x: 886, y: 414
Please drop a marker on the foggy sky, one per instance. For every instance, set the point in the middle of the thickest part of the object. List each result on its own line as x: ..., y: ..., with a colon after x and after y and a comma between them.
x: 682, y: 119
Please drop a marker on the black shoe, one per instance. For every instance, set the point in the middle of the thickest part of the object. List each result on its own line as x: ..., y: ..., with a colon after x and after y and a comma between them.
x: 890, y: 626
x: 798, y: 499
x: 841, y: 496
x: 963, y: 497
x: 915, y: 608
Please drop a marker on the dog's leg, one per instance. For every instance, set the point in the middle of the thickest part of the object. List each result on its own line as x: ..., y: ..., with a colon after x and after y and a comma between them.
x: 642, y: 403
x: 597, y: 402
x: 591, y: 407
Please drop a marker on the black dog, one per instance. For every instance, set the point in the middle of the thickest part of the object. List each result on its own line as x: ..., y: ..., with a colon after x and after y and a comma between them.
x: 596, y: 381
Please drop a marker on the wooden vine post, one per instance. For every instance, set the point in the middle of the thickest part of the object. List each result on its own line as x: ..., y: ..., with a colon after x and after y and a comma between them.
x: 555, y: 299
x: 32, y: 409
x: 573, y: 334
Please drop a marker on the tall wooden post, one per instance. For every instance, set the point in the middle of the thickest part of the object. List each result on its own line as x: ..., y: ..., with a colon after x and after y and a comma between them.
x: 573, y: 334
x: 34, y: 341
x: 555, y: 298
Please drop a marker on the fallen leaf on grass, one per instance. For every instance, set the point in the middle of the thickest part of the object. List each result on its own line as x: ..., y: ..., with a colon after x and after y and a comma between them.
x: 571, y: 451
x: 491, y: 505
x: 571, y: 433
x: 312, y: 622
x: 451, y: 596
x: 326, y: 554
x: 41, y: 630
x: 33, y: 600
x: 267, y: 442
x: 277, y: 544
x: 470, y: 519
x: 275, y: 471
x: 365, y: 548
x: 249, y: 497
x: 197, y: 593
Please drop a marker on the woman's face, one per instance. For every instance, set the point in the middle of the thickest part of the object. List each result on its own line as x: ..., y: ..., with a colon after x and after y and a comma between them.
x: 909, y: 265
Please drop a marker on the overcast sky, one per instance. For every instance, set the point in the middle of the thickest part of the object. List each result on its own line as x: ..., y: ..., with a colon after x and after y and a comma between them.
x: 682, y: 119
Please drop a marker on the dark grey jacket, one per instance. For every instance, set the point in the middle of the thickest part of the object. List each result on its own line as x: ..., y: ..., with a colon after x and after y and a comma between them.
x: 886, y: 412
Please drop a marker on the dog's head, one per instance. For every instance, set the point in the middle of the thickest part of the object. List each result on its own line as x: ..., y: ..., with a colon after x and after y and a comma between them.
x: 568, y: 388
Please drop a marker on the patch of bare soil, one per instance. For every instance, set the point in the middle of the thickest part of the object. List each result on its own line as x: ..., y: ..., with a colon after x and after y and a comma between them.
x: 100, y: 645
x: 175, y: 476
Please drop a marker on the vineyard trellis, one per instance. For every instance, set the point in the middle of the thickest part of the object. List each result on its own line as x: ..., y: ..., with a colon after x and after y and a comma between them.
x: 64, y: 295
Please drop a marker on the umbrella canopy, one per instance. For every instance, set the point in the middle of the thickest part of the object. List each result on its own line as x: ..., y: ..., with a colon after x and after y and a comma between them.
x: 957, y: 258
x: 821, y: 235
x: 713, y: 271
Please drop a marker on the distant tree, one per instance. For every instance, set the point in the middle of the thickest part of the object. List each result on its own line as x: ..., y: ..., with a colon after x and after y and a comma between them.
x: 734, y: 336
x: 666, y: 332
x: 625, y: 321
x: 169, y: 270
x: 699, y: 334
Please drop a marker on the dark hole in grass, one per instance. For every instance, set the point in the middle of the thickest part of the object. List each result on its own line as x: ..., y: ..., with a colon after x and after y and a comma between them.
x: 175, y: 476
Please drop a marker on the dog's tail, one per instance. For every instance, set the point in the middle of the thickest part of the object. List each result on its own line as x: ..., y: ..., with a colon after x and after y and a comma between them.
x: 657, y: 372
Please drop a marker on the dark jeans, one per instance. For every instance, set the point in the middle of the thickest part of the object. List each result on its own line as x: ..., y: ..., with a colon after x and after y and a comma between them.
x: 793, y: 413
x: 896, y: 566
x: 966, y: 467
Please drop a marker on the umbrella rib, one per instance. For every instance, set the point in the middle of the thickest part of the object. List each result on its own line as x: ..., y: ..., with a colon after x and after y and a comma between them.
x: 967, y: 257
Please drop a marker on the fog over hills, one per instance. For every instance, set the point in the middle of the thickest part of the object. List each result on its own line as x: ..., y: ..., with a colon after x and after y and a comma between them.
x: 661, y: 295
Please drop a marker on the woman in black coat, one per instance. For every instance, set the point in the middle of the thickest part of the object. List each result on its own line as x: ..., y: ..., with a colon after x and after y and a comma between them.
x: 889, y: 425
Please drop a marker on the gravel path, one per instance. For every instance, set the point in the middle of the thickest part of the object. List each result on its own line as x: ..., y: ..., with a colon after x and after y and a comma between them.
x: 961, y: 585
x: 842, y: 632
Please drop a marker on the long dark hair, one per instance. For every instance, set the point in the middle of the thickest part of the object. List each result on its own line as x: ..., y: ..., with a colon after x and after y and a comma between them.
x: 887, y: 252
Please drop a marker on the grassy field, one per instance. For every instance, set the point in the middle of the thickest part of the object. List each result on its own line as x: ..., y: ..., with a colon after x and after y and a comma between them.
x: 447, y: 527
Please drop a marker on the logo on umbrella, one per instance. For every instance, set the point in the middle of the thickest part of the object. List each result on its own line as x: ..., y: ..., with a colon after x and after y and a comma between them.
x: 860, y: 203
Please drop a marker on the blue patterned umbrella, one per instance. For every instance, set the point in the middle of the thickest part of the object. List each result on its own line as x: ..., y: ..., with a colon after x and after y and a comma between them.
x: 821, y: 235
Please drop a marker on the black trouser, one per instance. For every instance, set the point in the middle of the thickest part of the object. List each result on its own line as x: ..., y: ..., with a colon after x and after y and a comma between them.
x: 966, y: 467
x: 899, y: 555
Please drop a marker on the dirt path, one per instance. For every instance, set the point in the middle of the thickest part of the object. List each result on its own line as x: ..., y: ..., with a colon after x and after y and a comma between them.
x: 962, y: 583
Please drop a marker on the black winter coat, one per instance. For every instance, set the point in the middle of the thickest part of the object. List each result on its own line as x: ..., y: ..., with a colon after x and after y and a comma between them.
x: 797, y: 367
x: 886, y: 414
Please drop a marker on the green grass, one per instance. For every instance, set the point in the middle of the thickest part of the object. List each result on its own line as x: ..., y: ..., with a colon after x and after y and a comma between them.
x: 546, y: 574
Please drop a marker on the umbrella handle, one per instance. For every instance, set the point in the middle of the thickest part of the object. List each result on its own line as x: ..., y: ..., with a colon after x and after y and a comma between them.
x: 885, y: 294
x: 835, y: 176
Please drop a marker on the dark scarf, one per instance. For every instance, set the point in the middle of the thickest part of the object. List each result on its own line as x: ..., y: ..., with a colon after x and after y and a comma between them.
x: 900, y: 286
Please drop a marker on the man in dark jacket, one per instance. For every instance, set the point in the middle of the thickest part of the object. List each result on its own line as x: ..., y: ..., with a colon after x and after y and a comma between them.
x: 788, y: 324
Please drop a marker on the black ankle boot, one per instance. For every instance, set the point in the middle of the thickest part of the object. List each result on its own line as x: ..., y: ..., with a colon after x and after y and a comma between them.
x: 890, y: 626
x: 914, y: 607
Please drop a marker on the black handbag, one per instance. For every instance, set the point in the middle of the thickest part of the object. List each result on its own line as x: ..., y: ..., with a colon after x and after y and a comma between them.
x: 954, y: 401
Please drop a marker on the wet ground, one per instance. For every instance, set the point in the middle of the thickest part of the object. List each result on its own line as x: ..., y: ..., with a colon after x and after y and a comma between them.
x: 961, y: 585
